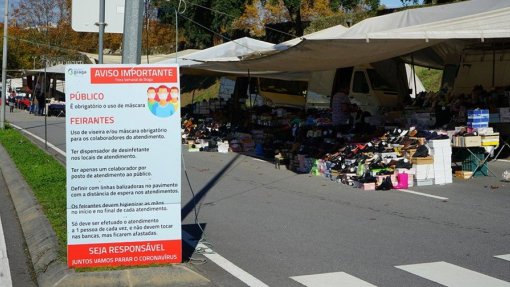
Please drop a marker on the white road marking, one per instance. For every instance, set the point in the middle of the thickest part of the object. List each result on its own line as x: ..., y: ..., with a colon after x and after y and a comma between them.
x: 423, y: 194
x: 5, y: 271
x: 504, y: 257
x: 452, y: 276
x: 256, y: 159
x: 40, y: 139
x: 222, y: 262
x: 333, y: 279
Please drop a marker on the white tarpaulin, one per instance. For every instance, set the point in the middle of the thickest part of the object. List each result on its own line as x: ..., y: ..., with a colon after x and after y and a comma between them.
x: 327, y: 33
x: 230, y: 51
x: 413, y: 81
x: 382, y: 37
x: 117, y: 59
x: 205, y: 61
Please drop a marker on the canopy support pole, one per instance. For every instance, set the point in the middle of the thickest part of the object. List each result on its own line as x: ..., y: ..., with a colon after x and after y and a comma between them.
x: 249, y: 92
x: 493, y: 66
x: 414, y: 74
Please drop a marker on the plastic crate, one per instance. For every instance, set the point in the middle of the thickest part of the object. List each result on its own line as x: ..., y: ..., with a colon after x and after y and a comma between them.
x: 471, y: 162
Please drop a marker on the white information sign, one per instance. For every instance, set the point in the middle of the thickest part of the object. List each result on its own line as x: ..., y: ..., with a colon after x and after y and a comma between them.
x: 123, y: 165
x: 85, y: 16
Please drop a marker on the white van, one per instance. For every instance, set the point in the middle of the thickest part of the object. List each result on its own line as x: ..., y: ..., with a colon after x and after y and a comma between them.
x: 370, y: 91
x: 365, y: 87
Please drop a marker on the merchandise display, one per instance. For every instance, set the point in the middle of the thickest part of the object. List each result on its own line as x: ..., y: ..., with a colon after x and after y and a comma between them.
x: 357, y: 154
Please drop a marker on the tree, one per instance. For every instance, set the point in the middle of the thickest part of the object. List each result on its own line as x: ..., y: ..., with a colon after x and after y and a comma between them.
x: 41, y: 13
x: 227, y: 12
x: 13, y: 52
x: 202, y: 26
x: 252, y: 20
x: 293, y: 8
x: 308, y: 10
x: 46, y: 29
x: 192, y: 21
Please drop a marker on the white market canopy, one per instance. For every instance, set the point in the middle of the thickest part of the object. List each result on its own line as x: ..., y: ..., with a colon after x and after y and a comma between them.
x: 322, y: 34
x: 232, y: 51
x: 117, y: 59
x: 380, y: 38
x: 204, y: 61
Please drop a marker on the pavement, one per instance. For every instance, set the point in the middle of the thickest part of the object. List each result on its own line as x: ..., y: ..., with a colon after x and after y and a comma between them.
x: 42, y: 244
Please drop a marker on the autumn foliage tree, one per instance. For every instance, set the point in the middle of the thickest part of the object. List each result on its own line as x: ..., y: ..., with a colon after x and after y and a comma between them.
x: 42, y: 29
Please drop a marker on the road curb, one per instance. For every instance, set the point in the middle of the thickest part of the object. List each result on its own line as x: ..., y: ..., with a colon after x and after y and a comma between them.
x: 42, y: 244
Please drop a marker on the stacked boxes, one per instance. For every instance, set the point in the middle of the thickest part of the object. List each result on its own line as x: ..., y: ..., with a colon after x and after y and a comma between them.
x: 441, y: 150
x: 478, y: 118
x: 423, y: 170
x: 490, y: 140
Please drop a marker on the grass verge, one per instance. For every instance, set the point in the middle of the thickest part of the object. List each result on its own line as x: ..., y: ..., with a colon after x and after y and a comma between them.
x: 45, y: 176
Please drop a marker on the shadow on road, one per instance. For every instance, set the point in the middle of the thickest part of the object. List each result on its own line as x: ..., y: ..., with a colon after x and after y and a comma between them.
x: 192, y: 204
x: 192, y: 233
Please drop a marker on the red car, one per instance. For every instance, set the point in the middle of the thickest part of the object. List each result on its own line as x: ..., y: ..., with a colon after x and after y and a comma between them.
x: 22, y: 102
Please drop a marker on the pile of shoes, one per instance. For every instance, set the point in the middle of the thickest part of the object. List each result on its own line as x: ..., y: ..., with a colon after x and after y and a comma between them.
x: 204, y: 134
x: 357, y: 164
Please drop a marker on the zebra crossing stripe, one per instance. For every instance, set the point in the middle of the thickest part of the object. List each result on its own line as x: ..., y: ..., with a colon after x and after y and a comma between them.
x: 504, y: 257
x: 452, y: 276
x: 222, y: 262
x: 333, y: 279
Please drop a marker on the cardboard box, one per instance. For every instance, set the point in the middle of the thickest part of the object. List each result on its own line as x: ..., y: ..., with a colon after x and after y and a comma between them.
x: 423, y: 182
x: 422, y: 160
x: 463, y: 174
x: 440, y: 143
x: 369, y: 186
x: 485, y: 131
x: 472, y: 141
x: 424, y: 171
x: 457, y: 141
x: 478, y: 114
x: 410, y: 182
x: 490, y: 140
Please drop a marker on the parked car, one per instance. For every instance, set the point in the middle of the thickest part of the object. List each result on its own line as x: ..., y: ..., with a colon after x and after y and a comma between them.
x: 20, y: 91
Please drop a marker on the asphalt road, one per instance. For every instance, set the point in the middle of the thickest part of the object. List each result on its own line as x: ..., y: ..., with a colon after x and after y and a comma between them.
x: 275, y: 224
x: 22, y: 274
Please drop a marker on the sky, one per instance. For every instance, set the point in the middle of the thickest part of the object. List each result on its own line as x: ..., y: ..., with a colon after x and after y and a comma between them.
x: 391, y: 3
x: 2, y: 5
